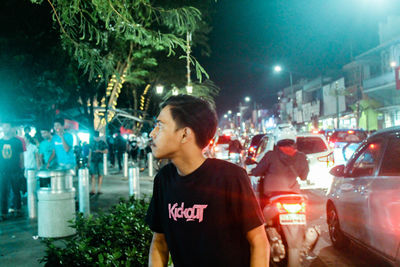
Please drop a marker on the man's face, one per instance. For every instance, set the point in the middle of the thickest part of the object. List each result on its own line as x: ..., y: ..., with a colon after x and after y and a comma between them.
x: 45, y: 134
x: 58, y: 127
x: 166, y: 139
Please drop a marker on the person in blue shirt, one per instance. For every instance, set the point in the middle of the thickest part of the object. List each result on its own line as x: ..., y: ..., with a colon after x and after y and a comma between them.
x: 46, y: 149
x: 62, y: 147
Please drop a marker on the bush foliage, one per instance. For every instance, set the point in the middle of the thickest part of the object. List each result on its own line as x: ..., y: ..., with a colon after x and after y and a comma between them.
x: 119, y: 237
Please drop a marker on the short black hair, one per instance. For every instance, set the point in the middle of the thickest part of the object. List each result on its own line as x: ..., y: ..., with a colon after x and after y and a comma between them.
x: 59, y: 120
x: 195, y: 113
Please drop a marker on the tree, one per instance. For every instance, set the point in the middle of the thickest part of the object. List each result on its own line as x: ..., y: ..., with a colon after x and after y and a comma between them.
x: 35, y: 78
x: 120, y: 38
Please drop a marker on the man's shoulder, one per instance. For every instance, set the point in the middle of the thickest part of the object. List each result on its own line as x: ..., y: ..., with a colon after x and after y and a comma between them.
x: 226, y: 168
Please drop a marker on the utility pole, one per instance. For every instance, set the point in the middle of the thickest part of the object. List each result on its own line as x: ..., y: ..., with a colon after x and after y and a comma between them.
x: 292, y: 95
x: 337, y: 105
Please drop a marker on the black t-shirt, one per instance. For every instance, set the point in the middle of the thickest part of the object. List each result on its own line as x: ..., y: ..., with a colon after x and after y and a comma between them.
x: 98, y: 145
x: 10, y: 151
x: 205, y: 215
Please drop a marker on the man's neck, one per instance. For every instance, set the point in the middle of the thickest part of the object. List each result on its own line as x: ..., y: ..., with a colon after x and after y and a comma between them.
x: 187, y: 164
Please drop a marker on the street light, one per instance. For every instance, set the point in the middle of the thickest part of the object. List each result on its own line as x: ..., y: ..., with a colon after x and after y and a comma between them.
x: 247, y: 99
x: 175, y: 91
x: 225, y: 116
x: 159, y: 89
x: 189, y: 89
x: 393, y: 64
x: 229, y: 111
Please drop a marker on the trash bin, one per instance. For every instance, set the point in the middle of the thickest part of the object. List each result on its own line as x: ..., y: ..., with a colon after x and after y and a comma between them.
x: 56, y: 204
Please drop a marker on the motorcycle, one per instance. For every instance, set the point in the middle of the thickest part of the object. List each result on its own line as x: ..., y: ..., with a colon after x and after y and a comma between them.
x: 286, y: 221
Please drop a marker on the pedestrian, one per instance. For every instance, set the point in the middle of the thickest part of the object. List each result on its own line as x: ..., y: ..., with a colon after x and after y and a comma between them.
x: 111, y: 149
x: 46, y: 148
x: 62, y: 147
x: 11, y: 170
x: 95, y: 163
x: 203, y: 211
x: 142, y: 142
x: 31, y: 155
x: 120, y: 146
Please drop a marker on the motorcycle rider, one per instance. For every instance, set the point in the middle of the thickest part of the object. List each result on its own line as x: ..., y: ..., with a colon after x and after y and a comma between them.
x: 280, y: 167
x: 279, y: 170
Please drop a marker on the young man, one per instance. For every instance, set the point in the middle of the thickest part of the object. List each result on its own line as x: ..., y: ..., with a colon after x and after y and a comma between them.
x: 203, y: 211
x: 11, y: 165
x: 63, y: 150
x: 46, y: 148
x: 95, y: 162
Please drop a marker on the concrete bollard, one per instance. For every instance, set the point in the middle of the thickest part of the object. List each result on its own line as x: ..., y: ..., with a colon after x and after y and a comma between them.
x: 32, y: 197
x: 125, y: 164
x: 84, y: 203
x: 105, y: 166
x: 150, y: 164
x: 134, y: 183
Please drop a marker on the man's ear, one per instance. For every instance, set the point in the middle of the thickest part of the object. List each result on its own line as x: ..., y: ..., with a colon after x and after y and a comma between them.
x: 186, y: 134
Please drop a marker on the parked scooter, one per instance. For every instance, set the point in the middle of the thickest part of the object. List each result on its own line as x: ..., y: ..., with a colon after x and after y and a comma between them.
x: 286, y: 229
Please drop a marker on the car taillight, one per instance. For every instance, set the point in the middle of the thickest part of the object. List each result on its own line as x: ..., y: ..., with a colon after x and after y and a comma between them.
x: 291, y: 208
x: 350, y: 132
x: 251, y: 149
x: 211, y: 142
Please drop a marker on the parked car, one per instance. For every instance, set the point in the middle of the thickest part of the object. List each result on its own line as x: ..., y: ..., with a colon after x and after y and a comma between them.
x: 364, y: 200
x: 344, y: 142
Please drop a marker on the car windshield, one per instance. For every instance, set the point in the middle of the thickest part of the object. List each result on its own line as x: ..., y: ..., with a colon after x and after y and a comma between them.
x: 255, y: 141
x: 223, y: 139
x: 349, y: 136
x: 310, y: 145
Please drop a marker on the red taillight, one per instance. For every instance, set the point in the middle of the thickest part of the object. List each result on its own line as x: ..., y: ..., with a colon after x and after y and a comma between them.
x: 211, y: 142
x: 291, y: 208
x: 372, y: 146
x: 251, y: 149
x: 350, y: 132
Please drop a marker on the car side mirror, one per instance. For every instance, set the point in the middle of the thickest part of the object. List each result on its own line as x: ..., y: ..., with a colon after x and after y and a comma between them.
x: 337, y: 171
x: 250, y: 161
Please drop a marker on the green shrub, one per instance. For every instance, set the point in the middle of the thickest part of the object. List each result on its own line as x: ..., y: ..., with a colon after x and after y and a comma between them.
x: 119, y: 237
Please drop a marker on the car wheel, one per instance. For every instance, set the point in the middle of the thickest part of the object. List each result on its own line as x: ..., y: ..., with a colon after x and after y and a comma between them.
x: 339, y: 240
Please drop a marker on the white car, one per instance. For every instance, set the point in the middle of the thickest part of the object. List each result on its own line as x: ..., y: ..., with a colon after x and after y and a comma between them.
x: 319, y: 156
x: 320, y: 159
x: 364, y: 200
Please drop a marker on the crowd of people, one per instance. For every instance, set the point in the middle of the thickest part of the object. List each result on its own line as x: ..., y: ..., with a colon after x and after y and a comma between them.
x: 54, y: 148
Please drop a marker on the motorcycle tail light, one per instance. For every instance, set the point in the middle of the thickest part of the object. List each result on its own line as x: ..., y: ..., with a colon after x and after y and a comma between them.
x: 291, y: 208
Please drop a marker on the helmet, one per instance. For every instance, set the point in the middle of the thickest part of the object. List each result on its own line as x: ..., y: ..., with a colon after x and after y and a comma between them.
x: 284, y: 132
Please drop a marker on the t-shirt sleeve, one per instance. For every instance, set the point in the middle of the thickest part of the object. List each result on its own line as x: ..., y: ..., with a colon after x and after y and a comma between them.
x: 246, y: 209
x: 153, y: 216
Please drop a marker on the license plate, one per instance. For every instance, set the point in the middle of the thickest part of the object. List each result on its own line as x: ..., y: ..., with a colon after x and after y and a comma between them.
x: 288, y: 219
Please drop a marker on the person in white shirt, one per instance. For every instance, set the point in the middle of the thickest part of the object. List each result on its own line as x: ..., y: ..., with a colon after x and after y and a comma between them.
x: 31, y: 155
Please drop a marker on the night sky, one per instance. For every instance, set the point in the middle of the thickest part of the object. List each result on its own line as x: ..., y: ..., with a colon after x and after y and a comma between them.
x: 310, y: 37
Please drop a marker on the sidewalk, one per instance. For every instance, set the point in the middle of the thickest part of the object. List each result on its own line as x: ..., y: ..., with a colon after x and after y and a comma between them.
x: 19, y: 245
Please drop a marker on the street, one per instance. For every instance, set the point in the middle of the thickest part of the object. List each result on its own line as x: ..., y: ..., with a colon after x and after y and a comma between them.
x: 326, y: 254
